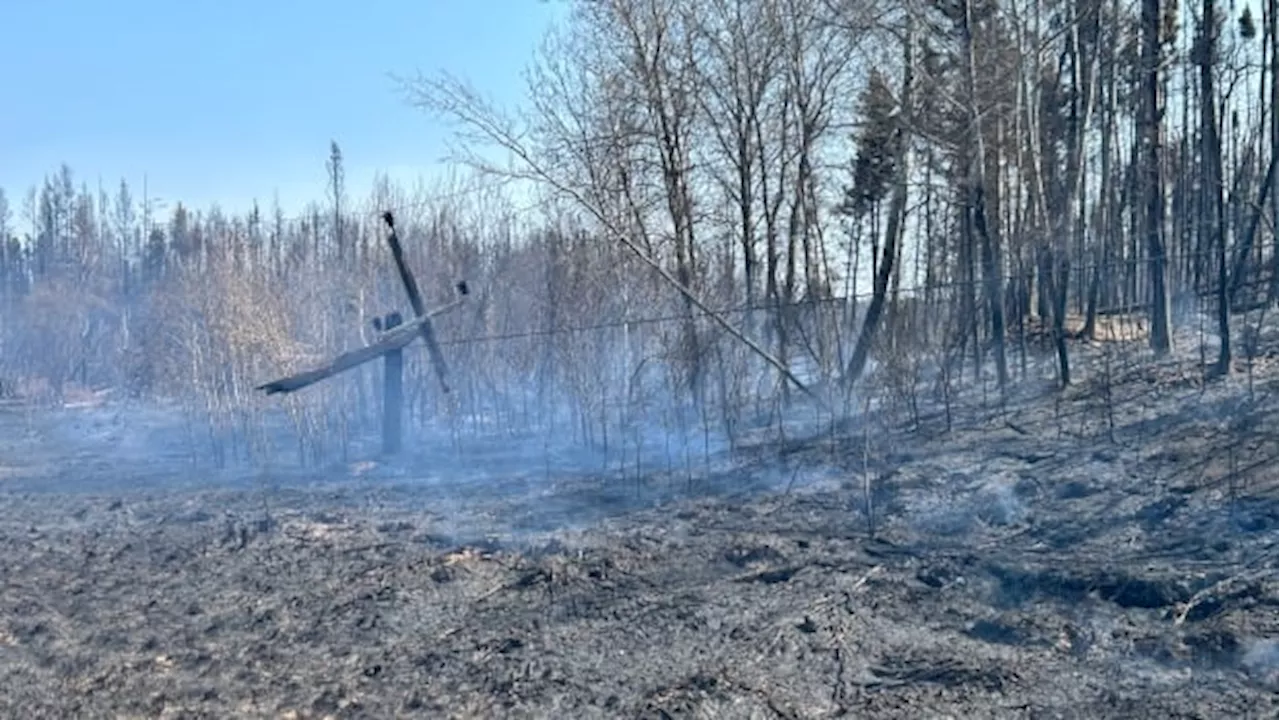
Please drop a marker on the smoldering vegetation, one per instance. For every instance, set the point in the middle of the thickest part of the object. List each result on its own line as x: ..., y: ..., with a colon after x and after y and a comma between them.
x: 1053, y: 556
x: 1107, y: 550
x: 785, y: 387
x: 569, y: 353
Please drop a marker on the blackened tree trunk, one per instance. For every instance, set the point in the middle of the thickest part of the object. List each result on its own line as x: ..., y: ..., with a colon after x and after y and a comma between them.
x: 1211, y: 177
x: 1152, y: 120
x: 976, y: 201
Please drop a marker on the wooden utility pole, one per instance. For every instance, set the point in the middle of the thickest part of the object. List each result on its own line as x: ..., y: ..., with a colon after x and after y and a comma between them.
x: 392, y: 389
x: 394, y: 336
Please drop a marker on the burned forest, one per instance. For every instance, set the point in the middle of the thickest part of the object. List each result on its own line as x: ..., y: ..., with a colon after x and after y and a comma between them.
x: 770, y: 358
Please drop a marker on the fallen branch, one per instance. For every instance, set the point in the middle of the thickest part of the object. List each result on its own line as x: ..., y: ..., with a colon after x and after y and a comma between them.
x: 456, y: 100
x: 1210, y: 592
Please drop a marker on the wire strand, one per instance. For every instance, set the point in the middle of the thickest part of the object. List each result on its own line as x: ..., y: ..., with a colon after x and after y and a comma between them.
x: 914, y: 291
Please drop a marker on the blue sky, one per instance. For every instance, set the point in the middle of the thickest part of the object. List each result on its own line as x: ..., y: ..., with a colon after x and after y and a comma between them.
x: 230, y: 100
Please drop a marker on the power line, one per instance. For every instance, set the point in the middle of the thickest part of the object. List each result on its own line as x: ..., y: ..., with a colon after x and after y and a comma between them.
x: 913, y: 292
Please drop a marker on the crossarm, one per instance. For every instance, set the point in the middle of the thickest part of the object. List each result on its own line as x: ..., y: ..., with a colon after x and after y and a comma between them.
x: 391, y: 340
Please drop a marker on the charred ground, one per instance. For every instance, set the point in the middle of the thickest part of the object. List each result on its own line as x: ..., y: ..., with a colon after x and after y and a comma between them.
x: 1061, y: 556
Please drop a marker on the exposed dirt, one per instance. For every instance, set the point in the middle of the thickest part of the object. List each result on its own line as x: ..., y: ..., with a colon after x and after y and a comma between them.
x: 1063, y: 558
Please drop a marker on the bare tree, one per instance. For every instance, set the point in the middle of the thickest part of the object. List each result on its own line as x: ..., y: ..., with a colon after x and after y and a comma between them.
x: 975, y: 184
x: 1211, y: 173
x: 740, y: 66
x: 337, y: 191
x: 457, y: 101
x: 658, y: 44
x: 1153, y: 185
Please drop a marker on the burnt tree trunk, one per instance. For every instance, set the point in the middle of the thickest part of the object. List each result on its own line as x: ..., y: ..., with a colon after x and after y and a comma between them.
x: 1152, y: 120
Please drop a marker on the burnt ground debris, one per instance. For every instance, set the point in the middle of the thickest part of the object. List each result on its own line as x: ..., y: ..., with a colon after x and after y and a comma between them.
x: 1054, y: 560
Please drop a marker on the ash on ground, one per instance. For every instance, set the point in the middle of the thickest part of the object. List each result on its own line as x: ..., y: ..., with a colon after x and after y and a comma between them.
x: 1053, y: 560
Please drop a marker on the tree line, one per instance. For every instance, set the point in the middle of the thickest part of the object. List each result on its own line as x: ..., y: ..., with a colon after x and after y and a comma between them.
x: 809, y: 190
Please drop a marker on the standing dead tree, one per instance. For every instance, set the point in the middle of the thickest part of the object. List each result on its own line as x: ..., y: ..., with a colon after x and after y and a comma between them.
x: 975, y: 182
x: 1152, y: 123
x: 1211, y: 176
